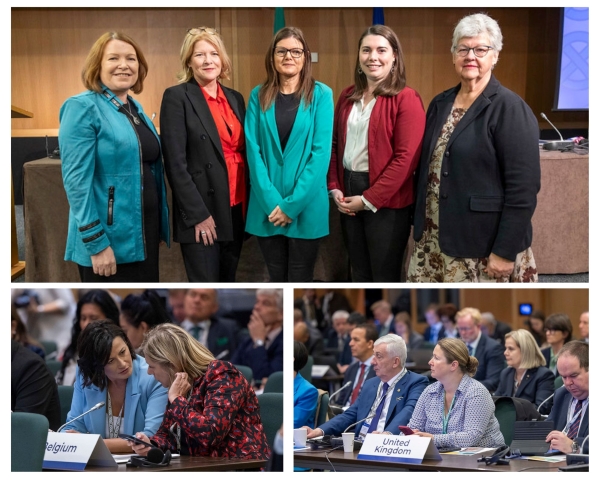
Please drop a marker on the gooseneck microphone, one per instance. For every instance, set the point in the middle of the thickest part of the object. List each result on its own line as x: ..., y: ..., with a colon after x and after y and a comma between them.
x: 545, y: 400
x: 339, y: 390
x: 556, y: 144
x: 95, y: 407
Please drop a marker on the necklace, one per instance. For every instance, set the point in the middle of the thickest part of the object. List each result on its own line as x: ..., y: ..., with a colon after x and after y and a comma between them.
x: 114, y: 427
x: 135, y: 118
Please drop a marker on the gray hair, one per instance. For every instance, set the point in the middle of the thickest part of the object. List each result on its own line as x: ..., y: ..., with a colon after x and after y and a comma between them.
x: 476, y: 24
x: 395, y: 346
x: 276, y: 293
x: 340, y: 314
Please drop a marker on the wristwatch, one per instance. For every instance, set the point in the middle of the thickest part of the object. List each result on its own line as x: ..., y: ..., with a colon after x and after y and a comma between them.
x: 574, y: 447
x: 259, y: 343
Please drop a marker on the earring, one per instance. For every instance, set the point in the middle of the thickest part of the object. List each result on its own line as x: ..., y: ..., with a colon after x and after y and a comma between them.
x: 393, y: 66
x: 359, y: 71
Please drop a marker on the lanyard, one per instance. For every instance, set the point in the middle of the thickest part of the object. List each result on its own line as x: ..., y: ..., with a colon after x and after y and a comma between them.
x: 574, y: 418
x: 446, y: 416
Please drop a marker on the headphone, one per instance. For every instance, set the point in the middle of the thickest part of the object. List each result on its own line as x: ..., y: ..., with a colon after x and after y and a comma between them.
x: 155, y: 458
x: 497, y: 457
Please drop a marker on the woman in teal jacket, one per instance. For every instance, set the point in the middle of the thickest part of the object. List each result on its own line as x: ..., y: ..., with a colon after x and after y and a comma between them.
x: 112, y: 169
x: 289, y: 126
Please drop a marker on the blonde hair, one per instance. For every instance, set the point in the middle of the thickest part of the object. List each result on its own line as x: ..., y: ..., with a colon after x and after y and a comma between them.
x: 176, y: 351
x: 475, y: 314
x: 211, y: 36
x: 455, y: 349
x: 531, y: 355
x: 90, y: 75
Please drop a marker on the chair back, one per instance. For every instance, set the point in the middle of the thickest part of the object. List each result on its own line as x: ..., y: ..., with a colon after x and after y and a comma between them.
x: 274, y: 383
x: 27, y: 441
x: 54, y: 366
x: 65, y: 395
x: 306, y: 371
x: 506, y: 414
x: 322, y: 408
x: 50, y: 349
x: 558, y: 382
x: 246, y: 372
x: 271, y: 414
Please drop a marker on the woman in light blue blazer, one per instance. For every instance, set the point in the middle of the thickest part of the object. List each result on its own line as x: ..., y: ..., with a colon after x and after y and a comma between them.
x: 110, y: 371
x: 289, y: 126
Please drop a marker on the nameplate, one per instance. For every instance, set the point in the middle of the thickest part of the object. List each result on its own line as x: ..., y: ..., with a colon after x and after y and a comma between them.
x: 73, y: 451
x: 398, y: 448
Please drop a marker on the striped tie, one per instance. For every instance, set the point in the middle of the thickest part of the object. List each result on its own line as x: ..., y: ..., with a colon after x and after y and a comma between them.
x: 574, y: 428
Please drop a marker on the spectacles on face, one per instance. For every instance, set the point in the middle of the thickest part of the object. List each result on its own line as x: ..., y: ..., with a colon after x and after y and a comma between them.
x: 199, y: 30
x: 465, y: 329
x: 479, y: 51
x: 294, y: 52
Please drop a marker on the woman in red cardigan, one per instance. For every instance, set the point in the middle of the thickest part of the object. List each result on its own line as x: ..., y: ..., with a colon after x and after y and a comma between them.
x: 378, y: 129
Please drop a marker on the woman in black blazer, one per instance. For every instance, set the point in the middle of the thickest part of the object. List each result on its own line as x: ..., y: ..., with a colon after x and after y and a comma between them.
x: 203, y: 140
x: 526, y: 376
x: 479, y: 172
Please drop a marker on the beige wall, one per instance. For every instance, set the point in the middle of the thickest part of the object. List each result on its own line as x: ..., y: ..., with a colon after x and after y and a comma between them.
x: 49, y: 46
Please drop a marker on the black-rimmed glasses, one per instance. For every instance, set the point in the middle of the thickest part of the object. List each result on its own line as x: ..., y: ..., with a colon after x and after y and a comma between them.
x: 294, y: 52
x: 479, y: 51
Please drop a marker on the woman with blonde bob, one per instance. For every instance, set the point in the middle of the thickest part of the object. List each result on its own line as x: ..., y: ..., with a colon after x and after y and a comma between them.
x: 456, y: 411
x: 203, y: 143
x: 112, y: 169
x: 526, y: 375
x: 212, y: 410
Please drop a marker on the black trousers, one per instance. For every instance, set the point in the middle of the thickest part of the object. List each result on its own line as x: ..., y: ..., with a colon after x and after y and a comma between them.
x: 217, y: 262
x: 375, y: 241
x: 289, y: 259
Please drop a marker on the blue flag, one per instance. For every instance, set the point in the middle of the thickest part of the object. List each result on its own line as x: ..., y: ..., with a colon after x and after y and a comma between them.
x: 378, y: 16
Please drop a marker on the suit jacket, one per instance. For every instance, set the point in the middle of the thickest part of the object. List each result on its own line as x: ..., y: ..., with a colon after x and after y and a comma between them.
x: 32, y: 386
x: 402, y: 403
x: 345, y: 356
x: 395, y: 133
x: 490, y: 174
x: 294, y: 179
x: 222, y: 336
x: 145, y: 402
x: 427, y: 335
x: 305, y: 402
x: 263, y: 361
x: 500, y: 333
x: 491, y: 362
x: 560, y: 413
x: 536, y: 386
x: 546, y: 352
x: 194, y: 160
x: 350, y: 376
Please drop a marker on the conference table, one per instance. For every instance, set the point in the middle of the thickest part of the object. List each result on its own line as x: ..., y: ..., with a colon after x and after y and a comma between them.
x: 348, y: 462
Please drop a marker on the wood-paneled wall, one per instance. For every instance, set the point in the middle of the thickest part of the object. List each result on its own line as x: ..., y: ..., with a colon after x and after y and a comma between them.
x: 49, y: 46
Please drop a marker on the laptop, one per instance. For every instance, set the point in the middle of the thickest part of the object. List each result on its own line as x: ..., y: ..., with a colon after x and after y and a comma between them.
x: 530, y: 439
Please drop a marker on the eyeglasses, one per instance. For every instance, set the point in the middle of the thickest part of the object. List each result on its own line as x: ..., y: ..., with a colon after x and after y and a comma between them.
x: 199, y: 30
x: 294, y: 52
x: 479, y: 51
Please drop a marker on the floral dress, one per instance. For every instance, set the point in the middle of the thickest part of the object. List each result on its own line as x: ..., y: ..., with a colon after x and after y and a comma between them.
x: 428, y: 263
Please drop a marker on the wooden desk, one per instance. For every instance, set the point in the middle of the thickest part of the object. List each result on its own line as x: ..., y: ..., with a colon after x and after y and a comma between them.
x: 347, y: 462
x: 186, y: 463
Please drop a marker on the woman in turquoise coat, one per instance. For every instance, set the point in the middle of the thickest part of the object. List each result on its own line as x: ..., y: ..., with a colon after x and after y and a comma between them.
x: 289, y: 126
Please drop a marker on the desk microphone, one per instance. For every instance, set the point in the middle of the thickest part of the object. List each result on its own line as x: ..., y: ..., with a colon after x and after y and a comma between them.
x: 95, y: 407
x: 556, y: 144
x: 221, y: 355
x: 338, y: 391
x: 545, y: 400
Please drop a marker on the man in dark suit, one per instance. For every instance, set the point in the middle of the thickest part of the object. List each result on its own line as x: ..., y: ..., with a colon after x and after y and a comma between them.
x: 362, y: 340
x: 384, y: 319
x: 571, y: 409
x: 488, y: 352
x: 331, y: 302
x: 494, y: 328
x: 309, y: 336
x: 390, y: 398
x: 218, y: 335
x: 263, y: 350
x: 435, y: 328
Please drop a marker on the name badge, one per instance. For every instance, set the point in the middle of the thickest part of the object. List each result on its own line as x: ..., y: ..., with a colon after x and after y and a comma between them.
x: 398, y: 448
x: 72, y: 451
x: 363, y: 431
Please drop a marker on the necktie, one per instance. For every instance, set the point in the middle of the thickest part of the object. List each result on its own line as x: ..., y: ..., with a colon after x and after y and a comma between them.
x: 470, y: 348
x: 375, y: 419
x: 574, y: 428
x: 197, y: 332
x: 356, y: 390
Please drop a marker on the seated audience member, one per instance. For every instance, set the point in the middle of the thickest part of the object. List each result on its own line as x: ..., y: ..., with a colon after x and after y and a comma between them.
x: 494, y: 328
x: 362, y: 340
x: 379, y: 395
x: 308, y: 335
x: 456, y: 411
x: 535, y: 324
x: 310, y: 305
x: 584, y: 327
x: 263, y: 350
x: 526, y: 376
x: 109, y: 371
x: 93, y: 305
x: 331, y: 302
x: 212, y: 410
x: 339, y: 332
x: 402, y: 327
x: 32, y: 387
x: 216, y: 334
x: 383, y: 317
x: 570, y: 411
x: 447, y: 314
x: 435, y: 329
x: 345, y: 356
x: 18, y: 332
x: 558, y: 330
x: 175, y: 305
x: 488, y: 352
x: 305, y: 394
x: 140, y: 313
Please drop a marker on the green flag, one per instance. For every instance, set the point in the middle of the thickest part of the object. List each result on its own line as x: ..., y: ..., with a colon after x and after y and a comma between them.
x: 279, y: 19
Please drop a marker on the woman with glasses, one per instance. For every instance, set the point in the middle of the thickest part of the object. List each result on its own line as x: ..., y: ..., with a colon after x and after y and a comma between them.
x: 479, y: 172
x: 558, y: 329
x: 379, y: 124
x: 288, y: 136
x: 203, y: 143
